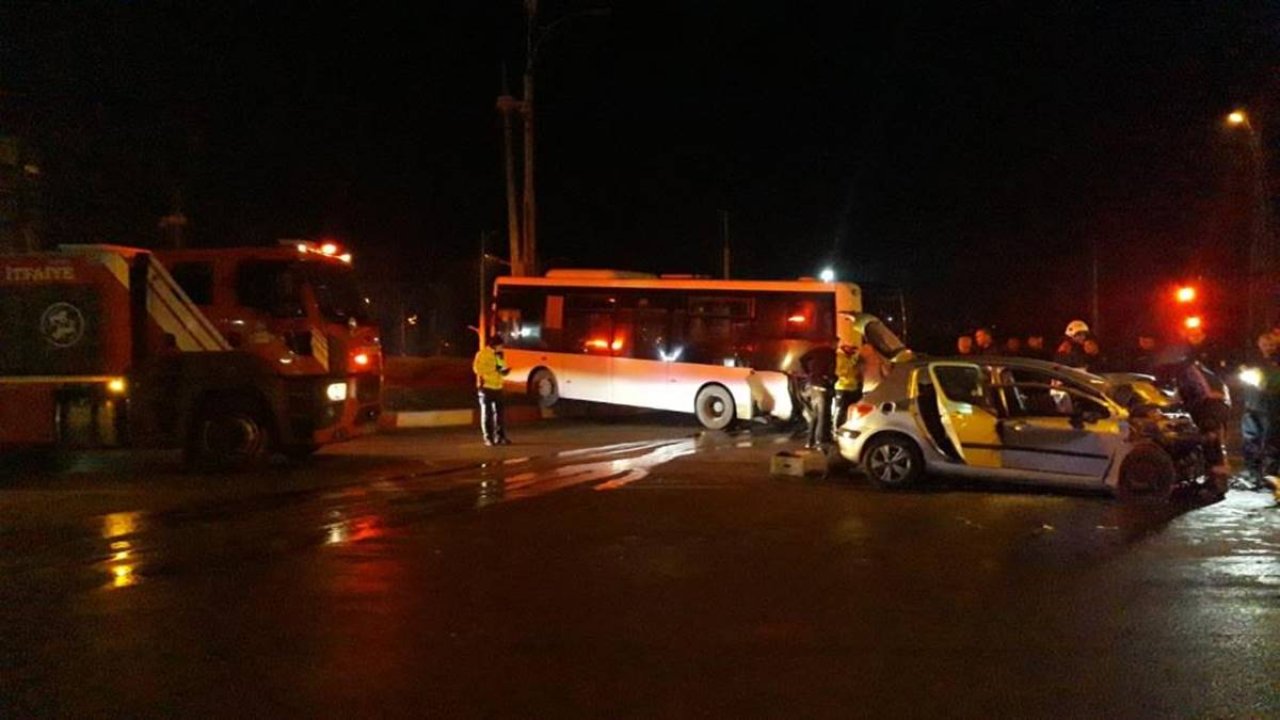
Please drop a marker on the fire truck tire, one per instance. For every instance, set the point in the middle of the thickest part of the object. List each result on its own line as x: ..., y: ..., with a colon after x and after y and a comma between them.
x: 543, y: 387
x: 229, y: 434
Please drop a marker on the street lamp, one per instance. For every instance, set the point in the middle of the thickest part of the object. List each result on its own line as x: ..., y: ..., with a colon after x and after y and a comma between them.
x: 827, y: 275
x: 1260, y: 252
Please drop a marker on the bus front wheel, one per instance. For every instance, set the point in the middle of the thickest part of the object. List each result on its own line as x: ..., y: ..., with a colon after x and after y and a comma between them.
x: 543, y: 387
x: 714, y: 407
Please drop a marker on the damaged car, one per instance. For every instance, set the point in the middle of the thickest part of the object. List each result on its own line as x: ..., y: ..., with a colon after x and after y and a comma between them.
x: 1024, y: 421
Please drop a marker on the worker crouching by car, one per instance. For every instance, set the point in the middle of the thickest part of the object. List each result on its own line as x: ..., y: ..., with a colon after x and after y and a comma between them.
x: 819, y: 367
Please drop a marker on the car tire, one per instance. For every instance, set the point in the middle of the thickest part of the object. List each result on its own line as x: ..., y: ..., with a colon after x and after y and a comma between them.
x: 893, y: 462
x: 714, y: 407
x: 543, y: 388
x: 1147, y: 474
x: 228, y: 435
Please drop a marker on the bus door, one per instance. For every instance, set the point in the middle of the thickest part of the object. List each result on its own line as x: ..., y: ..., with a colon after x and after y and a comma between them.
x: 643, y: 359
x: 586, y: 365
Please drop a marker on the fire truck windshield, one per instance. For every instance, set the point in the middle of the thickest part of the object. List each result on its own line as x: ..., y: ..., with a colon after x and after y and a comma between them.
x: 337, y: 293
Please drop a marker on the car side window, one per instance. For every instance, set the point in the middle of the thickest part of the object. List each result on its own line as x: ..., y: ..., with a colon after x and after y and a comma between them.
x: 1032, y: 393
x: 960, y: 383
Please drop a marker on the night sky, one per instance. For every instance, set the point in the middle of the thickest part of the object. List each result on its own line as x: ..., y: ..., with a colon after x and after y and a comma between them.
x: 972, y: 153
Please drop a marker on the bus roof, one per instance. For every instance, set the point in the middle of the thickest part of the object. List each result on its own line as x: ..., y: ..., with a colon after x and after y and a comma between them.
x: 649, y: 283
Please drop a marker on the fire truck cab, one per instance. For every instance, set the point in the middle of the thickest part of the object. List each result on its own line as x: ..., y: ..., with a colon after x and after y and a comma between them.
x: 228, y: 353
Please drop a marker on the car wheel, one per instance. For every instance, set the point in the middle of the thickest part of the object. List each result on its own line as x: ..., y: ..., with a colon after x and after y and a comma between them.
x: 543, y: 388
x: 893, y: 461
x: 714, y: 407
x: 1148, y: 473
x: 228, y: 435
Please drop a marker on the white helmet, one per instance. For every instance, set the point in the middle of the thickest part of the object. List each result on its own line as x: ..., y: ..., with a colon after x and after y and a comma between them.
x: 1076, y: 327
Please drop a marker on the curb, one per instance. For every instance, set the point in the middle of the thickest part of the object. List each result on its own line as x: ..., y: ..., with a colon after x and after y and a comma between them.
x: 462, y: 417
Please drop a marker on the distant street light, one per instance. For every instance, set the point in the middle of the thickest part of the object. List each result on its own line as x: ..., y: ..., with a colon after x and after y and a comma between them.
x: 1237, y: 117
x: 827, y: 275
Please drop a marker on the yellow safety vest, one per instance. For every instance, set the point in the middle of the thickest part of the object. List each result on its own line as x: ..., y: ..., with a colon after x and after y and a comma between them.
x: 489, y: 368
x: 848, y: 371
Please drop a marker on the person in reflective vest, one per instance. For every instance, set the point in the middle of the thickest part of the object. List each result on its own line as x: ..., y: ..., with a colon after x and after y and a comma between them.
x: 490, y: 369
x: 848, y: 379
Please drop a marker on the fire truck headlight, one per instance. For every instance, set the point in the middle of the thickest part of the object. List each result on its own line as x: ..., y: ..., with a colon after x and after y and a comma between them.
x: 336, y: 392
x: 117, y: 386
x: 1251, y: 377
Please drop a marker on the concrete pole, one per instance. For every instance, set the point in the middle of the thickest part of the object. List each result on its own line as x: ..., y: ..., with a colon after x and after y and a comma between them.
x: 724, y: 230
x: 530, y: 254
x: 508, y: 105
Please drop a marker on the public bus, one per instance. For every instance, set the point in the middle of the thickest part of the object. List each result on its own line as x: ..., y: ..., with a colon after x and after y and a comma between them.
x: 723, y: 350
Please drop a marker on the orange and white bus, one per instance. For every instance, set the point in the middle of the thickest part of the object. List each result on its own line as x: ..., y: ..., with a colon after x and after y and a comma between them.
x: 723, y: 350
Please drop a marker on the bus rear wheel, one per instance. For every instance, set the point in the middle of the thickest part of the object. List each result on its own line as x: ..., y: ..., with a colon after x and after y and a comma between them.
x: 543, y: 388
x: 714, y: 407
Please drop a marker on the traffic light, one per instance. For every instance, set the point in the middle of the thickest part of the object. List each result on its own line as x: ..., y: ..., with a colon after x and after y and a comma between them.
x: 1193, y: 322
x: 1186, y: 294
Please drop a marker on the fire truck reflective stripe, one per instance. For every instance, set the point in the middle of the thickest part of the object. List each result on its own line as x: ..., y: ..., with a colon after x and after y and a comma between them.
x: 160, y: 282
x: 159, y: 310
x: 320, y: 348
x: 169, y: 306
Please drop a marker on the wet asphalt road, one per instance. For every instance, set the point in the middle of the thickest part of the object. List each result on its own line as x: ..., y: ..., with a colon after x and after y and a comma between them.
x: 631, y: 569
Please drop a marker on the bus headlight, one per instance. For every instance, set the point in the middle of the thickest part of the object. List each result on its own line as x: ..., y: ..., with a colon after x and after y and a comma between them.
x: 336, y: 392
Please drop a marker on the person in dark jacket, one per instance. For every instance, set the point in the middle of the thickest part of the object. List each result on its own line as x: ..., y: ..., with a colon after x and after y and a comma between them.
x: 1144, y: 356
x: 819, y: 368
x: 984, y: 343
x: 1258, y: 426
x: 1035, y: 348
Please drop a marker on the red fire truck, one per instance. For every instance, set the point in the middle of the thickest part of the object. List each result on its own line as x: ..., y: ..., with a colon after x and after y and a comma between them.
x: 228, y: 353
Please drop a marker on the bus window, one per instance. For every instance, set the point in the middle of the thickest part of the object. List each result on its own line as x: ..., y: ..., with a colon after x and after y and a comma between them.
x: 642, y: 334
x: 588, y: 324
x: 795, y: 316
x: 520, y: 318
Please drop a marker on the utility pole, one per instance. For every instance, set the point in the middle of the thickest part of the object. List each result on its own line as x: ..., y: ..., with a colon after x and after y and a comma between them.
x: 506, y: 106
x: 724, y: 235
x: 530, y: 249
x: 480, y: 317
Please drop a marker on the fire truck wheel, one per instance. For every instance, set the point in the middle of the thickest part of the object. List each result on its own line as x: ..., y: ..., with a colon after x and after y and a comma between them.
x: 228, y: 434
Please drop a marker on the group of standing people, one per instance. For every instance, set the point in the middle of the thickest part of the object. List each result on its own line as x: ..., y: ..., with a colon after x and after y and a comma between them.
x: 1078, y: 347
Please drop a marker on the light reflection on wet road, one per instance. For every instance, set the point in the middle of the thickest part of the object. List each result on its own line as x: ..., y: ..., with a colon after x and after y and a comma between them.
x: 666, y: 577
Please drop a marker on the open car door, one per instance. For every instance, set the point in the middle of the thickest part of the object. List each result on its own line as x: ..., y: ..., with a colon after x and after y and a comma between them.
x: 968, y: 415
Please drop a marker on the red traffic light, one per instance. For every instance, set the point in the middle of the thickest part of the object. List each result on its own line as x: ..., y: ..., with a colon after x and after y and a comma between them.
x: 1194, y: 322
x: 1186, y: 294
